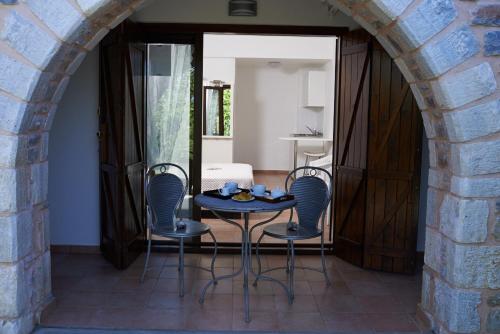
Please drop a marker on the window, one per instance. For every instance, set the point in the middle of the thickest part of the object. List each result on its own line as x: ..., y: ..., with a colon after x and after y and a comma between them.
x: 217, y: 111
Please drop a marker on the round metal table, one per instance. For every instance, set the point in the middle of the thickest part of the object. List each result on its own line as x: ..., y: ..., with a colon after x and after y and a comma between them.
x: 217, y: 205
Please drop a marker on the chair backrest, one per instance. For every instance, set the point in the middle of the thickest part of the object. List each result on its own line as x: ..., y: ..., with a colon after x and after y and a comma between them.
x: 166, y: 186
x: 312, y: 193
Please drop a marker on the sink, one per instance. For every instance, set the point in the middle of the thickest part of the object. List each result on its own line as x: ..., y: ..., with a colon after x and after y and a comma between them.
x: 305, y: 135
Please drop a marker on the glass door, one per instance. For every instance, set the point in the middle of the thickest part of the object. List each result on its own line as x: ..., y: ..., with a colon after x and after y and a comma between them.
x: 171, y: 112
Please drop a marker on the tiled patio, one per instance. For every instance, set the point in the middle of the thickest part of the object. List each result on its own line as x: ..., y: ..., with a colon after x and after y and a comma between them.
x: 90, y: 293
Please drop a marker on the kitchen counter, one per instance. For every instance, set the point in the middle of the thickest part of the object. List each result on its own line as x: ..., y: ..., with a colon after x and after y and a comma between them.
x: 302, y: 138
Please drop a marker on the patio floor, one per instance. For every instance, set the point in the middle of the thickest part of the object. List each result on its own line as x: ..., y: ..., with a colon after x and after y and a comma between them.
x: 90, y: 293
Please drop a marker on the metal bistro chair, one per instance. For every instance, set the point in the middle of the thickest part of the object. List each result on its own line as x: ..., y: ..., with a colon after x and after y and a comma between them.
x: 165, y: 193
x: 313, y: 197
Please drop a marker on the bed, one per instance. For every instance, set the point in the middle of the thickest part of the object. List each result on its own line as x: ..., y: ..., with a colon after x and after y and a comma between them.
x: 214, y: 175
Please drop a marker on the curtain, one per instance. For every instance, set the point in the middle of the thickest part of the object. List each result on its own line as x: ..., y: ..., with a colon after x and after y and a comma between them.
x: 169, y: 111
x: 212, y: 112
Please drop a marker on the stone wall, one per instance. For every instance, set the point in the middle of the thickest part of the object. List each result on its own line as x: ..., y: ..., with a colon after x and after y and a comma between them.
x: 448, y: 51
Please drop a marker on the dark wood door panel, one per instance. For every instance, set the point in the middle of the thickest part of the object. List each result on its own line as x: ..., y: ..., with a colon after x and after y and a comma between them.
x: 121, y: 142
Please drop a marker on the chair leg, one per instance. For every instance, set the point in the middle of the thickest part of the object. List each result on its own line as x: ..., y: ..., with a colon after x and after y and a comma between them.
x: 292, y: 271
x: 287, y: 269
x: 212, y: 265
x: 181, y: 267
x: 259, y: 264
x: 147, y: 261
x: 323, y: 261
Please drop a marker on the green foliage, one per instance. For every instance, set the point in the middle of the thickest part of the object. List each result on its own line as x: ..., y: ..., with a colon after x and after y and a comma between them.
x: 226, y: 105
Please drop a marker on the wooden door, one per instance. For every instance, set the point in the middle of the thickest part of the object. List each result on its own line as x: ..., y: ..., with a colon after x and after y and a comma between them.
x: 392, y: 194
x: 121, y: 123
x: 351, y: 146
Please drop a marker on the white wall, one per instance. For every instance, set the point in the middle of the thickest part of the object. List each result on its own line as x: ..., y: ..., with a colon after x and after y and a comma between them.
x: 278, y: 12
x: 217, y: 149
x: 74, y: 160
x: 266, y: 105
x: 268, y: 47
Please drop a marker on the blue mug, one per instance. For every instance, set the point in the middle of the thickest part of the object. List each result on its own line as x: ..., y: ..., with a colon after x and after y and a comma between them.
x: 258, y: 190
x: 232, y: 186
x: 225, y: 191
x: 277, y: 192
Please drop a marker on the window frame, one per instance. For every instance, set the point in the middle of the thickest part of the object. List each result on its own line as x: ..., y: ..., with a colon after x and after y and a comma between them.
x: 221, y: 90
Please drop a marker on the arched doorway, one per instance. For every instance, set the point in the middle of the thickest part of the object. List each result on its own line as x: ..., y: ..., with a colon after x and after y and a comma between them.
x: 449, y: 63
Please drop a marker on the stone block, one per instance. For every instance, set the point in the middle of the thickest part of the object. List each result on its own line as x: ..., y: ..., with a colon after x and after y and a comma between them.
x: 433, y: 200
x: 61, y: 88
x: 433, y: 249
x: 96, y: 39
x: 494, y: 300
x: 422, y: 104
x: 12, y: 112
x: 9, y: 2
x: 477, y: 158
x: 456, y: 308
x: 464, y: 220
x: 14, y: 287
x: 473, y: 266
x: 39, y: 182
x: 405, y: 70
x: 119, y: 19
x: 8, y: 151
x: 21, y: 325
x: 339, y: 4
x: 474, y: 122
x: 453, y: 91
x: 59, y: 15
x: 426, y: 291
x: 496, y: 231
x: 17, y: 78
x: 492, y: 43
x: 439, y: 179
x: 389, y: 47
x: 493, y: 321
x: 426, y: 20
x: 487, y: 15
x: 438, y: 153
x: 90, y: 6
x: 15, y: 189
x: 436, y: 58
x: 365, y: 24
x: 387, y: 11
x: 15, y: 236
x: 29, y: 40
x: 475, y: 186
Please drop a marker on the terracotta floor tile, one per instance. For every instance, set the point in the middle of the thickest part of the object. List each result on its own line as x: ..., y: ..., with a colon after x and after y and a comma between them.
x: 257, y: 303
x: 69, y: 317
x: 260, y: 321
x: 338, y: 304
x: 359, y: 276
x: 117, y: 318
x: 164, y: 319
x: 97, y: 283
x: 202, y: 274
x: 334, y: 289
x: 367, y: 288
x: 162, y: 300
x: 82, y: 299
x: 135, y: 285
x: 222, y: 261
x: 64, y: 284
x: 208, y: 320
x: 380, y: 304
x: 301, y: 288
x: 301, y: 322
x: 262, y: 288
x: 300, y: 304
x: 171, y: 285
x: 222, y: 287
x: 392, y: 323
x: 172, y: 272
x: 214, y: 302
x: 126, y: 300
x: 346, y: 322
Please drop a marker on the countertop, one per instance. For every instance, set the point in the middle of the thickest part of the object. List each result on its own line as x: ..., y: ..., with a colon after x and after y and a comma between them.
x: 307, y: 138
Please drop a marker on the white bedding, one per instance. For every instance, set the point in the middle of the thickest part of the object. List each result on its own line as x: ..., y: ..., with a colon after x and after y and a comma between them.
x: 214, y: 175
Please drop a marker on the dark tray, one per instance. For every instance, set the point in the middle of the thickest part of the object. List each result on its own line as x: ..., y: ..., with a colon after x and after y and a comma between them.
x: 269, y: 199
x: 215, y: 193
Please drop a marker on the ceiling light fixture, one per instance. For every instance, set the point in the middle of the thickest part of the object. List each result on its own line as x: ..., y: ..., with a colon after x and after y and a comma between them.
x: 243, y: 8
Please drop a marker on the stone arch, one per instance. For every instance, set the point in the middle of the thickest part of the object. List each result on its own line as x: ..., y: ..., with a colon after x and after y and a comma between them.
x: 448, y: 52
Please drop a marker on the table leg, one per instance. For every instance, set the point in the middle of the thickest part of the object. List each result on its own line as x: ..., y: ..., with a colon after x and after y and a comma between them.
x: 295, y: 152
x: 246, y: 266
